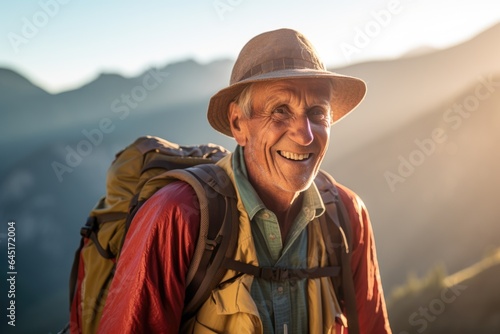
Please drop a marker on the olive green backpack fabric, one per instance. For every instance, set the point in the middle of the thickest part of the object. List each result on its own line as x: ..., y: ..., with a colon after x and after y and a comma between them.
x: 135, y: 175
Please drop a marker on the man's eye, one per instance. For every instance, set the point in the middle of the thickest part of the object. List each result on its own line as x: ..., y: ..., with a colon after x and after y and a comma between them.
x: 280, y: 110
x: 319, y: 115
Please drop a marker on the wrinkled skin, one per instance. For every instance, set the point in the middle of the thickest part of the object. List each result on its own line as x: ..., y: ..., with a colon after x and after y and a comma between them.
x: 285, y: 139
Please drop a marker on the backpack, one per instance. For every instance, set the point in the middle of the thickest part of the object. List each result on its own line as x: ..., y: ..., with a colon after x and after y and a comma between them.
x: 135, y: 175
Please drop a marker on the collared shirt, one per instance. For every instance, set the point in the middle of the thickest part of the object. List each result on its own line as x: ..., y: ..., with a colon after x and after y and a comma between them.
x: 146, y: 292
x: 282, y: 305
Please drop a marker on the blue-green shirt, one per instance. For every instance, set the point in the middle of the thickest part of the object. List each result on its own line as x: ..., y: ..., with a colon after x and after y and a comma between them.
x: 282, y: 305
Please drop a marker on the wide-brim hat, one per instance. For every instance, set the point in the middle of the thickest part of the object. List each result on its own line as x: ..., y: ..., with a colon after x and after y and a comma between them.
x: 278, y: 55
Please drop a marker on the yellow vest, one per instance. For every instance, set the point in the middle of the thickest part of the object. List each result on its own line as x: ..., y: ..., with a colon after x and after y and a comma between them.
x: 231, y: 308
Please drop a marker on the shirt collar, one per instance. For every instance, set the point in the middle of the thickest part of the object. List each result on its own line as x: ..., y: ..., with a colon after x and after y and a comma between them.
x: 311, y: 203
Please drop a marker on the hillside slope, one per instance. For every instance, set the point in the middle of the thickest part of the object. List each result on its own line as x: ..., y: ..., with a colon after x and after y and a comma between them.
x: 442, y: 208
x: 428, y: 199
x: 400, y: 90
x: 465, y: 302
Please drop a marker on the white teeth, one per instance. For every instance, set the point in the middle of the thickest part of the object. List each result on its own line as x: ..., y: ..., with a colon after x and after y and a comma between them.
x: 294, y: 156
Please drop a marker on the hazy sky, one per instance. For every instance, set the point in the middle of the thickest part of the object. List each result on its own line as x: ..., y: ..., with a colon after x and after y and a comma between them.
x: 61, y: 44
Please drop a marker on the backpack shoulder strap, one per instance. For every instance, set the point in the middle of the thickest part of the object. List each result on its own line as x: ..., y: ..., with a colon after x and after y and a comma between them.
x: 218, y: 231
x: 336, y: 226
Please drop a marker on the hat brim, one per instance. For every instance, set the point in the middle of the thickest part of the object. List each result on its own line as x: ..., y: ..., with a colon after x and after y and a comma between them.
x: 348, y: 92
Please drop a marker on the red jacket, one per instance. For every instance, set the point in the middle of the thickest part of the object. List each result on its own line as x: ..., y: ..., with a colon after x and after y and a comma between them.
x: 147, y: 293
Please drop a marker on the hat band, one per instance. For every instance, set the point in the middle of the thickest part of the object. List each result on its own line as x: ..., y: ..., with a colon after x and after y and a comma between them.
x: 278, y: 65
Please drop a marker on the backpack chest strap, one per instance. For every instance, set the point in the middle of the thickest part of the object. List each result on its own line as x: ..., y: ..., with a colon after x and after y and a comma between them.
x: 278, y: 274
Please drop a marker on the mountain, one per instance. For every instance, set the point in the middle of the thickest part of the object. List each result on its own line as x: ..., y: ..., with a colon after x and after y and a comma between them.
x: 400, y: 90
x: 14, y: 86
x: 463, y: 302
x: 421, y: 151
x: 65, y: 115
x: 419, y: 51
x: 430, y: 195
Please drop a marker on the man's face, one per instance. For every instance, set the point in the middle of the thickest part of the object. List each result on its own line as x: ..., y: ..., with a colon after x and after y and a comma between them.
x: 287, y: 134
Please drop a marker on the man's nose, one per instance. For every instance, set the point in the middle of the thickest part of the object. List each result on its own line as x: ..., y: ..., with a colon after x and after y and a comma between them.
x: 300, y: 131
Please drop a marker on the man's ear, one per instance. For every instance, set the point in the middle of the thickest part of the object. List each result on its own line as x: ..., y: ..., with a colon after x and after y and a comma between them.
x: 237, y: 123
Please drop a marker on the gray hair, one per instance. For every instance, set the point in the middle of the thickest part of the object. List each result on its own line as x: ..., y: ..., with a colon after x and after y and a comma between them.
x: 244, y: 100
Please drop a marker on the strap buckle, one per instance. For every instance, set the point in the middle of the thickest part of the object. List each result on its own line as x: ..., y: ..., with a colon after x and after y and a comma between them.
x: 211, y: 245
x: 89, y: 227
x: 274, y: 274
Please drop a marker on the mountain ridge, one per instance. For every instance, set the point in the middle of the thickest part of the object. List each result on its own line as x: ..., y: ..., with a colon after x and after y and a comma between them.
x: 398, y: 90
x: 451, y: 184
x: 445, y: 209
x: 438, y: 302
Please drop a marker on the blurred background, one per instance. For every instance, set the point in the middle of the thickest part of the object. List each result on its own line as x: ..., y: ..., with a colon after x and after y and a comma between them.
x: 81, y: 80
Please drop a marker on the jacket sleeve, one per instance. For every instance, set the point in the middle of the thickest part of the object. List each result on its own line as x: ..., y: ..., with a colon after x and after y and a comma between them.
x: 372, y: 312
x: 147, y: 292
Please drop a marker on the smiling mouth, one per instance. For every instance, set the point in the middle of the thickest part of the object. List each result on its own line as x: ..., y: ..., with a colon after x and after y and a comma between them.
x: 294, y: 156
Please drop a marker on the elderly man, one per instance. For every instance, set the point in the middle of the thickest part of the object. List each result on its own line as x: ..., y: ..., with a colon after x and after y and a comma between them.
x: 279, y: 107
